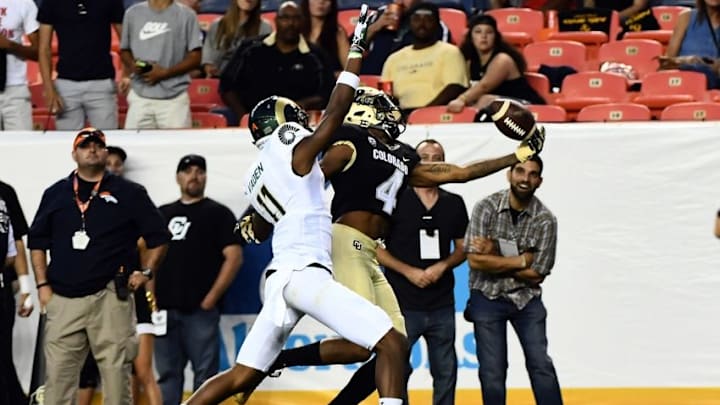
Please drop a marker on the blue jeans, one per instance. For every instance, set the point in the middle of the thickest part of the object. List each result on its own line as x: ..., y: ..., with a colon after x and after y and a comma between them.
x: 190, y: 336
x: 490, y: 318
x: 438, y: 329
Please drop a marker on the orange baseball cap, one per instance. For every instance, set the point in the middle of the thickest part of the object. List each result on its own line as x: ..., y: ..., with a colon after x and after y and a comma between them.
x: 88, y: 134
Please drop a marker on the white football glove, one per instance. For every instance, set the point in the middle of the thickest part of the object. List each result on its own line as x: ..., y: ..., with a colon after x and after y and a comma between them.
x: 358, y: 43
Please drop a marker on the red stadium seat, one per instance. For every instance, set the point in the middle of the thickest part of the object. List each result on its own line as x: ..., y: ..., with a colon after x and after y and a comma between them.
x: 591, y: 39
x: 614, y: 112
x: 641, y: 54
x: 456, y: 21
x: 696, y: 111
x: 666, y: 17
x: 541, y: 84
x: 548, y: 113
x: 204, y: 94
x: 587, y: 88
x: 370, y: 81
x: 519, y: 26
x: 43, y: 122
x: 269, y: 16
x: 33, y: 72
x: 439, y: 115
x: 37, y: 99
x: 664, y: 88
x: 347, y: 19
x: 205, y: 20
x: 555, y: 53
x: 208, y: 120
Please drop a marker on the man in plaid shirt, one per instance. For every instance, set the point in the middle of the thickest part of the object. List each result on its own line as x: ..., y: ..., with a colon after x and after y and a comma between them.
x: 510, y: 245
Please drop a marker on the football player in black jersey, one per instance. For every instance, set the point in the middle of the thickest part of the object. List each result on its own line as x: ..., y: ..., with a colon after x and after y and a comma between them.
x: 368, y: 168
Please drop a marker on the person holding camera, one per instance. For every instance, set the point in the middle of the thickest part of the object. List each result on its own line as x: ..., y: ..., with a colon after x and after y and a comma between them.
x: 161, y: 40
x: 90, y: 222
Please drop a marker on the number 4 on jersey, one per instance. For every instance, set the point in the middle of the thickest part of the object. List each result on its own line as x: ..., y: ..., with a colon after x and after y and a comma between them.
x: 388, y: 189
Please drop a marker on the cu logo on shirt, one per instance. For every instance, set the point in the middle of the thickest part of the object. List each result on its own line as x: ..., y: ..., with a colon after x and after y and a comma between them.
x: 357, y: 245
x: 178, y: 227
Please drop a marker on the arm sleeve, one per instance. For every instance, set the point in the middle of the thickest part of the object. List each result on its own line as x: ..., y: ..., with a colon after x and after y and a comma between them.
x: 193, y: 32
x: 453, y: 70
x: 149, y: 220
x: 544, y: 255
x: 46, y: 13
x: 117, y: 11
x: 30, y: 22
x: 126, y: 28
x: 480, y: 223
x: 225, y: 228
x: 17, y: 217
x: 460, y: 219
x: 210, y: 52
x: 39, y: 235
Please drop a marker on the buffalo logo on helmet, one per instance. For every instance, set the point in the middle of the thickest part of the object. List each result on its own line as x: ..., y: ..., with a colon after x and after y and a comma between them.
x: 372, y: 108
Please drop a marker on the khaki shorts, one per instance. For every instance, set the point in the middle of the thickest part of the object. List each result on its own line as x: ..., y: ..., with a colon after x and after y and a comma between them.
x: 355, y: 266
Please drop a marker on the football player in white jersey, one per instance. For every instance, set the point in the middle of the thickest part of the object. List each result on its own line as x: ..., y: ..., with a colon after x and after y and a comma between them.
x: 286, y: 187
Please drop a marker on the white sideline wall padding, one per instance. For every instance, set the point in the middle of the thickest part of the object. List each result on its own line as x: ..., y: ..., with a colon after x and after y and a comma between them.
x: 632, y: 300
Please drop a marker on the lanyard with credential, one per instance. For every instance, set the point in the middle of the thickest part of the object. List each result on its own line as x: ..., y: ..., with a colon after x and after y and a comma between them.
x: 83, y: 206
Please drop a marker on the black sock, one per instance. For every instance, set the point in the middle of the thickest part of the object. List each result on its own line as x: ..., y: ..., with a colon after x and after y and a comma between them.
x: 360, y: 386
x: 308, y: 355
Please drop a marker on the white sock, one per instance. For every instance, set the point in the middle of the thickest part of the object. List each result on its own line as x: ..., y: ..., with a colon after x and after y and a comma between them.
x: 391, y: 401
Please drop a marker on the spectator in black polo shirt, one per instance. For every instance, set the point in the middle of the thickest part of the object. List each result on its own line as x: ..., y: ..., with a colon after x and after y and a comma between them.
x: 90, y: 222
x: 11, y: 217
x: 282, y: 64
x: 85, y: 86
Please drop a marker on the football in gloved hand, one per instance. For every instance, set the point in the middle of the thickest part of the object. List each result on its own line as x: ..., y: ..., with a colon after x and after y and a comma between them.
x: 511, y: 118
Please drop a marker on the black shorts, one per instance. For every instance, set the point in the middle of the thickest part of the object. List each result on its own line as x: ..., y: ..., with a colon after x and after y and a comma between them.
x: 90, y: 374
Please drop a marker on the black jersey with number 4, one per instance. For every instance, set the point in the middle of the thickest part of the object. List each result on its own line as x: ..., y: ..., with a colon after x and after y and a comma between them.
x: 375, y: 176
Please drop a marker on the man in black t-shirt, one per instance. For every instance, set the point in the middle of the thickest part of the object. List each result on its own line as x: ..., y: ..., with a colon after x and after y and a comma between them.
x: 281, y: 64
x: 11, y: 217
x: 424, y: 245
x: 203, y: 257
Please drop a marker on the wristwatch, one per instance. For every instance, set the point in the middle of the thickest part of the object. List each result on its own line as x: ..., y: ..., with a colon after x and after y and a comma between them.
x: 147, y: 273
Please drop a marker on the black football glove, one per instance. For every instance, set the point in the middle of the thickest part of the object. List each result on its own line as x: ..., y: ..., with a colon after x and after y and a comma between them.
x: 531, y: 145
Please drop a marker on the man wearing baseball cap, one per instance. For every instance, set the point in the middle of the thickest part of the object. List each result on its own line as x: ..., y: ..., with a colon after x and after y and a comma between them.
x: 90, y: 222
x: 202, y: 259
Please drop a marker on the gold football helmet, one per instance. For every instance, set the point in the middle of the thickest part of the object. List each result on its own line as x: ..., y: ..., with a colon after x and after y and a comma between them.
x: 374, y: 109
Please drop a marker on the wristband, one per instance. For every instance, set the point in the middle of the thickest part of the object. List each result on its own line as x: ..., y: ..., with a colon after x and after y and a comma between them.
x: 24, y: 281
x: 43, y: 284
x: 348, y: 79
x: 524, y: 263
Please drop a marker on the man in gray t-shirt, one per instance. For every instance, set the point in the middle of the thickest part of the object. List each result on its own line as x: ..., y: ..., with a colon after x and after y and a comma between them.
x: 162, y: 40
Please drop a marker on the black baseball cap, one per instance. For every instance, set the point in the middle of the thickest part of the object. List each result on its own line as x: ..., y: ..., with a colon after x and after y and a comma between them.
x: 191, y: 160
x: 116, y: 150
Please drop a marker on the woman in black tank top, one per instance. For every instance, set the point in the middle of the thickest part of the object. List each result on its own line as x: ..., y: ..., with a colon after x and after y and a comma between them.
x: 496, y: 68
